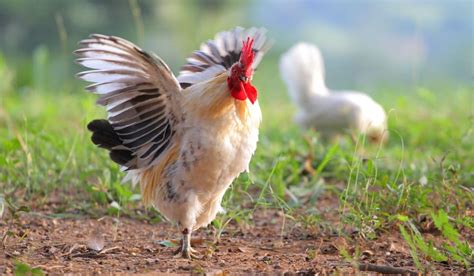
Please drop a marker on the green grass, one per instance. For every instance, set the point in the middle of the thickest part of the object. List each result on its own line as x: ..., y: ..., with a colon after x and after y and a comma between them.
x: 425, y: 171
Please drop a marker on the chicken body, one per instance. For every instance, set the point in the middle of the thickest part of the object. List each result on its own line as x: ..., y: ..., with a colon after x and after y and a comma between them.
x: 185, y: 139
x: 329, y: 112
x: 343, y: 111
x: 217, y: 143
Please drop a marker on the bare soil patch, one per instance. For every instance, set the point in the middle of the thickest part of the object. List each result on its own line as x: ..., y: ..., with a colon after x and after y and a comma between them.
x: 125, y: 245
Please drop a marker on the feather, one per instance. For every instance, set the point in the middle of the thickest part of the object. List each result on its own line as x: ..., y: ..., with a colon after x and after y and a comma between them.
x: 218, y: 55
x: 141, y: 96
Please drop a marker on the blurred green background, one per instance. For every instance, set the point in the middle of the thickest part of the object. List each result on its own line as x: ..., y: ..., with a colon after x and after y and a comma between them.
x: 366, y: 44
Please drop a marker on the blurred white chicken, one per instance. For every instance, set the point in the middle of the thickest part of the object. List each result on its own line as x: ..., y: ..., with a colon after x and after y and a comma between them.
x: 331, y: 114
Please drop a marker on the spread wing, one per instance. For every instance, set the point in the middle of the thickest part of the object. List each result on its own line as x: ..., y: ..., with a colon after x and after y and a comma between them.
x: 141, y: 95
x: 218, y: 55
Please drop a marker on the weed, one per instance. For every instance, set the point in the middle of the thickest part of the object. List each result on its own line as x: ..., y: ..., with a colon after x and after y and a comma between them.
x: 460, y: 251
x: 22, y: 269
x: 14, y: 212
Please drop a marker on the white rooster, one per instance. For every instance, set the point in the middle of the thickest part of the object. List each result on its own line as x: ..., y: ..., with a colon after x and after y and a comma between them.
x: 183, y: 139
x: 329, y: 112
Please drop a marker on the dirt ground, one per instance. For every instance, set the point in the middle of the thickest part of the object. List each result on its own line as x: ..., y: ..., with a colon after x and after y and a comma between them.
x: 108, y: 244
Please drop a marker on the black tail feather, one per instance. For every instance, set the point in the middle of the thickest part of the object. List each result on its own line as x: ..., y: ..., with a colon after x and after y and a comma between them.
x: 121, y: 156
x: 104, y: 136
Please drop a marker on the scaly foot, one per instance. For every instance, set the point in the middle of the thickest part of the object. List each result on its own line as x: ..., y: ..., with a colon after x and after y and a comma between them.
x: 190, y: 254
x: 185, y: 250
x: 187, y: 253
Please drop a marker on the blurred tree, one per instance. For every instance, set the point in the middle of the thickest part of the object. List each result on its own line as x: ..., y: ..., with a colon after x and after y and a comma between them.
x: 364, y: 42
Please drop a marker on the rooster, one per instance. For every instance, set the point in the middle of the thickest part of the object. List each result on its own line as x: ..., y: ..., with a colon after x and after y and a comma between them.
x: 302, y: 69
x: 185, y: 139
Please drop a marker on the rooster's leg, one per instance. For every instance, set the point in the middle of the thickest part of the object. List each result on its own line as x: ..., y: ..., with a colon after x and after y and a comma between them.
x: 185, y: 250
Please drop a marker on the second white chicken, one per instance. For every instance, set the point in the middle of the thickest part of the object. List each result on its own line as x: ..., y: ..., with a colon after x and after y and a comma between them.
x: 329, y: 112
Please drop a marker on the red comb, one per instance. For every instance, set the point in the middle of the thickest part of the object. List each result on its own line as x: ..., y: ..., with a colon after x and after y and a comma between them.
x: 246, y: 56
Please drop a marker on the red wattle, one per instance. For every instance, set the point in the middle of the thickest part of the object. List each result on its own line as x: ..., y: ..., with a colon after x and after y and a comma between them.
x: 242, y: 91
x: 238, y: 93
x: 250, y: 91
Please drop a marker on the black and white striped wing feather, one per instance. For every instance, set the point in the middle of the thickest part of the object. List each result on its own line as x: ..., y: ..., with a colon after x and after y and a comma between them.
x: 140, y: 93
x: 218, y: 55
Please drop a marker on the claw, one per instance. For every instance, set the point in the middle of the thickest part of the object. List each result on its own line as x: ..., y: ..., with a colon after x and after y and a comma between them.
x: 185, y: 250
x: 189, y: 253
x: 180, y: 251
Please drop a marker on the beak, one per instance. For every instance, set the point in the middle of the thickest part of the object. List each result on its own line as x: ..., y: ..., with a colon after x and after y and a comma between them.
x: 244, y: 79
